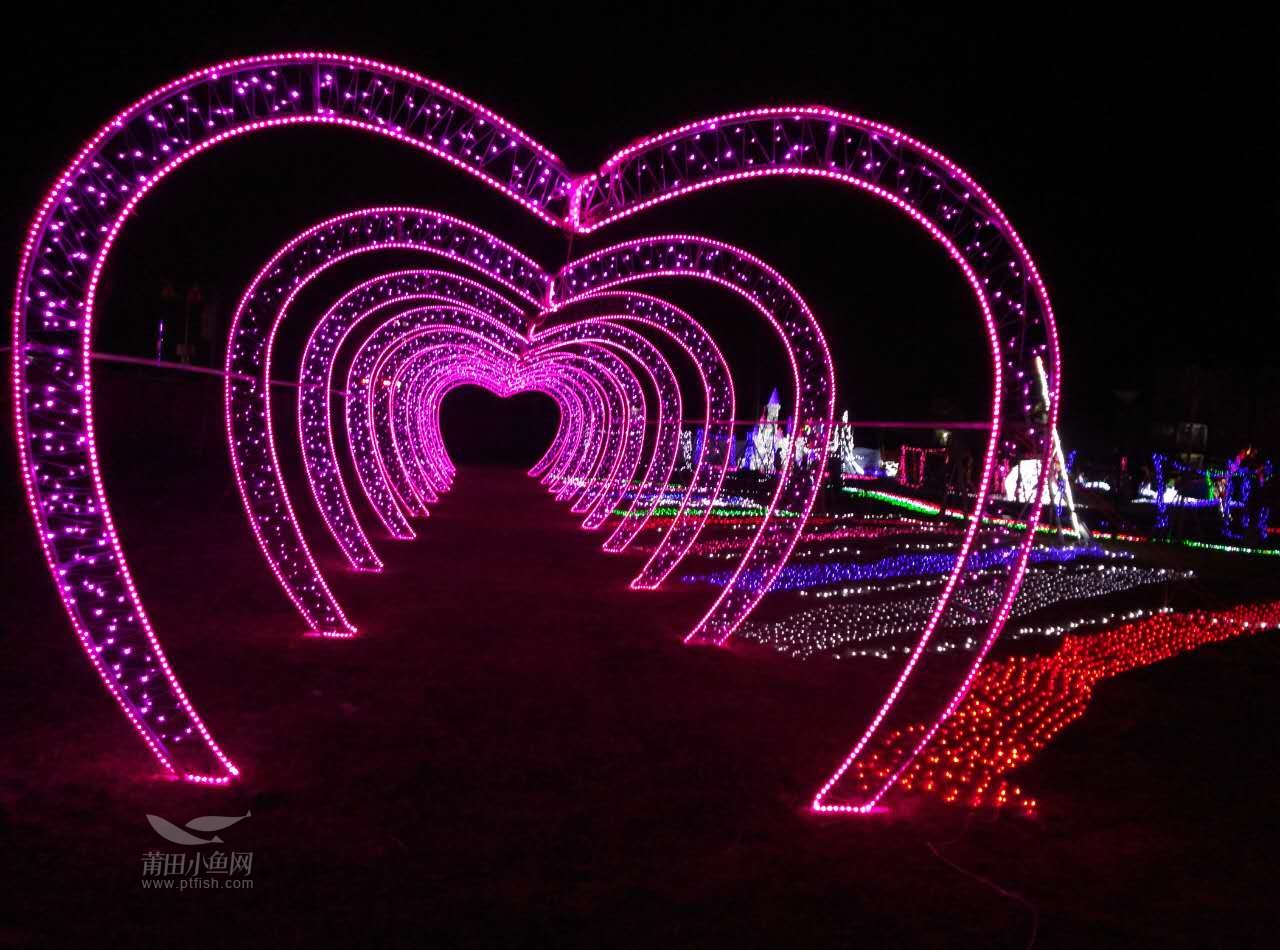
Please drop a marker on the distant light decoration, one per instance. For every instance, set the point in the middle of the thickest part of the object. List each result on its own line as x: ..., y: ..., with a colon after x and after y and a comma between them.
x: 1077, y: 623
x: 1060, y: 478
x: 766, y: 439
x: 1164, y: 494
x: 81, y: 216
x: 750, y: 519
x: 924, y: 507
x: 810, y: 553
x: 1226, y: 548
x: 899, y: 501
x: 748, y: 514
x: 1018, y: 706
x: 912, y: 463
x: 1022, y: 482
x: 1228, y: 490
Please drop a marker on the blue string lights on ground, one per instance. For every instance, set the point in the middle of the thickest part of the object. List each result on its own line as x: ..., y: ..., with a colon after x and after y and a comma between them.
x: 801, y: 576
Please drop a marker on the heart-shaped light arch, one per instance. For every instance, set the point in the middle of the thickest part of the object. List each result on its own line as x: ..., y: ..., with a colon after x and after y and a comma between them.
x: 391, y: 291
x: 77, y: 223
x: 435, y: 368
x: 265, y: 303
x: 390, y: 351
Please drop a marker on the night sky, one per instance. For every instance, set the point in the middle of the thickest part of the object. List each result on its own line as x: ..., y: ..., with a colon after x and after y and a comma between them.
x: 1135, y: 156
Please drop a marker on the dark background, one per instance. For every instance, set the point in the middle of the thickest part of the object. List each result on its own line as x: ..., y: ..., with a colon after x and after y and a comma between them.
x: 516, y: 430
x: 1135, y: 154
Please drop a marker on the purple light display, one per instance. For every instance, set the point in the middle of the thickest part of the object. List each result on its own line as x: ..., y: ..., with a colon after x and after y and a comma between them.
x: 390, y: 291
x: 579, y: 334
x: 626, y: 445
x: 718, y: 397
x: 666, y: 439
x: 263, y: 308
x: 371, y: 385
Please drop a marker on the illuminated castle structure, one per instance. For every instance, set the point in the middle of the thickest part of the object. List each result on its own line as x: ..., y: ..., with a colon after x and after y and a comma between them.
x: 767, y: 441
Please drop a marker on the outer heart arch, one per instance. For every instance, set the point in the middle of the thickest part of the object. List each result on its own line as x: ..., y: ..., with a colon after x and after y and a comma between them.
x: 80, y: 217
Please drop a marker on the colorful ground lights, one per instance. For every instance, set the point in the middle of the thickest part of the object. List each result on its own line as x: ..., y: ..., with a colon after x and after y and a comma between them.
x: 1017, y: 706
x: 927, y: 508
x: 800, y: 576
x: 882, y: 628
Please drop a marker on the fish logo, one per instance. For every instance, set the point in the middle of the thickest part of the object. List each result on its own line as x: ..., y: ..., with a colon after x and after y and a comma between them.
x: 171, y: 832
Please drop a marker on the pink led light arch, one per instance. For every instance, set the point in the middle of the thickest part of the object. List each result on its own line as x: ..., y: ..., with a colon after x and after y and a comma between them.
x: 387, y: 354
x: 333, y: 328
x: 370, y: 383
x: 561, y: 376
x: 261, y: 311
x: 813, y: 385
x: 624, y: 435
x: 713, y: 461
x: 314, y: 401
x: 698, y: 343
x: 718, y: 398
x: 666, y: 444
x: 417, y: 438
x: 77, y: 223
x: 434, y: 372
x: 366, y: 435
x: 417, y: 329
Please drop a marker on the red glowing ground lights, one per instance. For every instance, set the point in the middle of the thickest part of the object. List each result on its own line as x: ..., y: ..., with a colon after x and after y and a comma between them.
x: 509, y: 335
x: 1018, y: 706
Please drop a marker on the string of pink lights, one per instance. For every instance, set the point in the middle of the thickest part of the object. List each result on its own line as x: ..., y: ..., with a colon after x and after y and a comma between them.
x: 488, y: 314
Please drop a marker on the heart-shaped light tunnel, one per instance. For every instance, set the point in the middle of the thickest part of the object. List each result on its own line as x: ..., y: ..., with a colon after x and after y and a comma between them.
x: 578, y: 334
